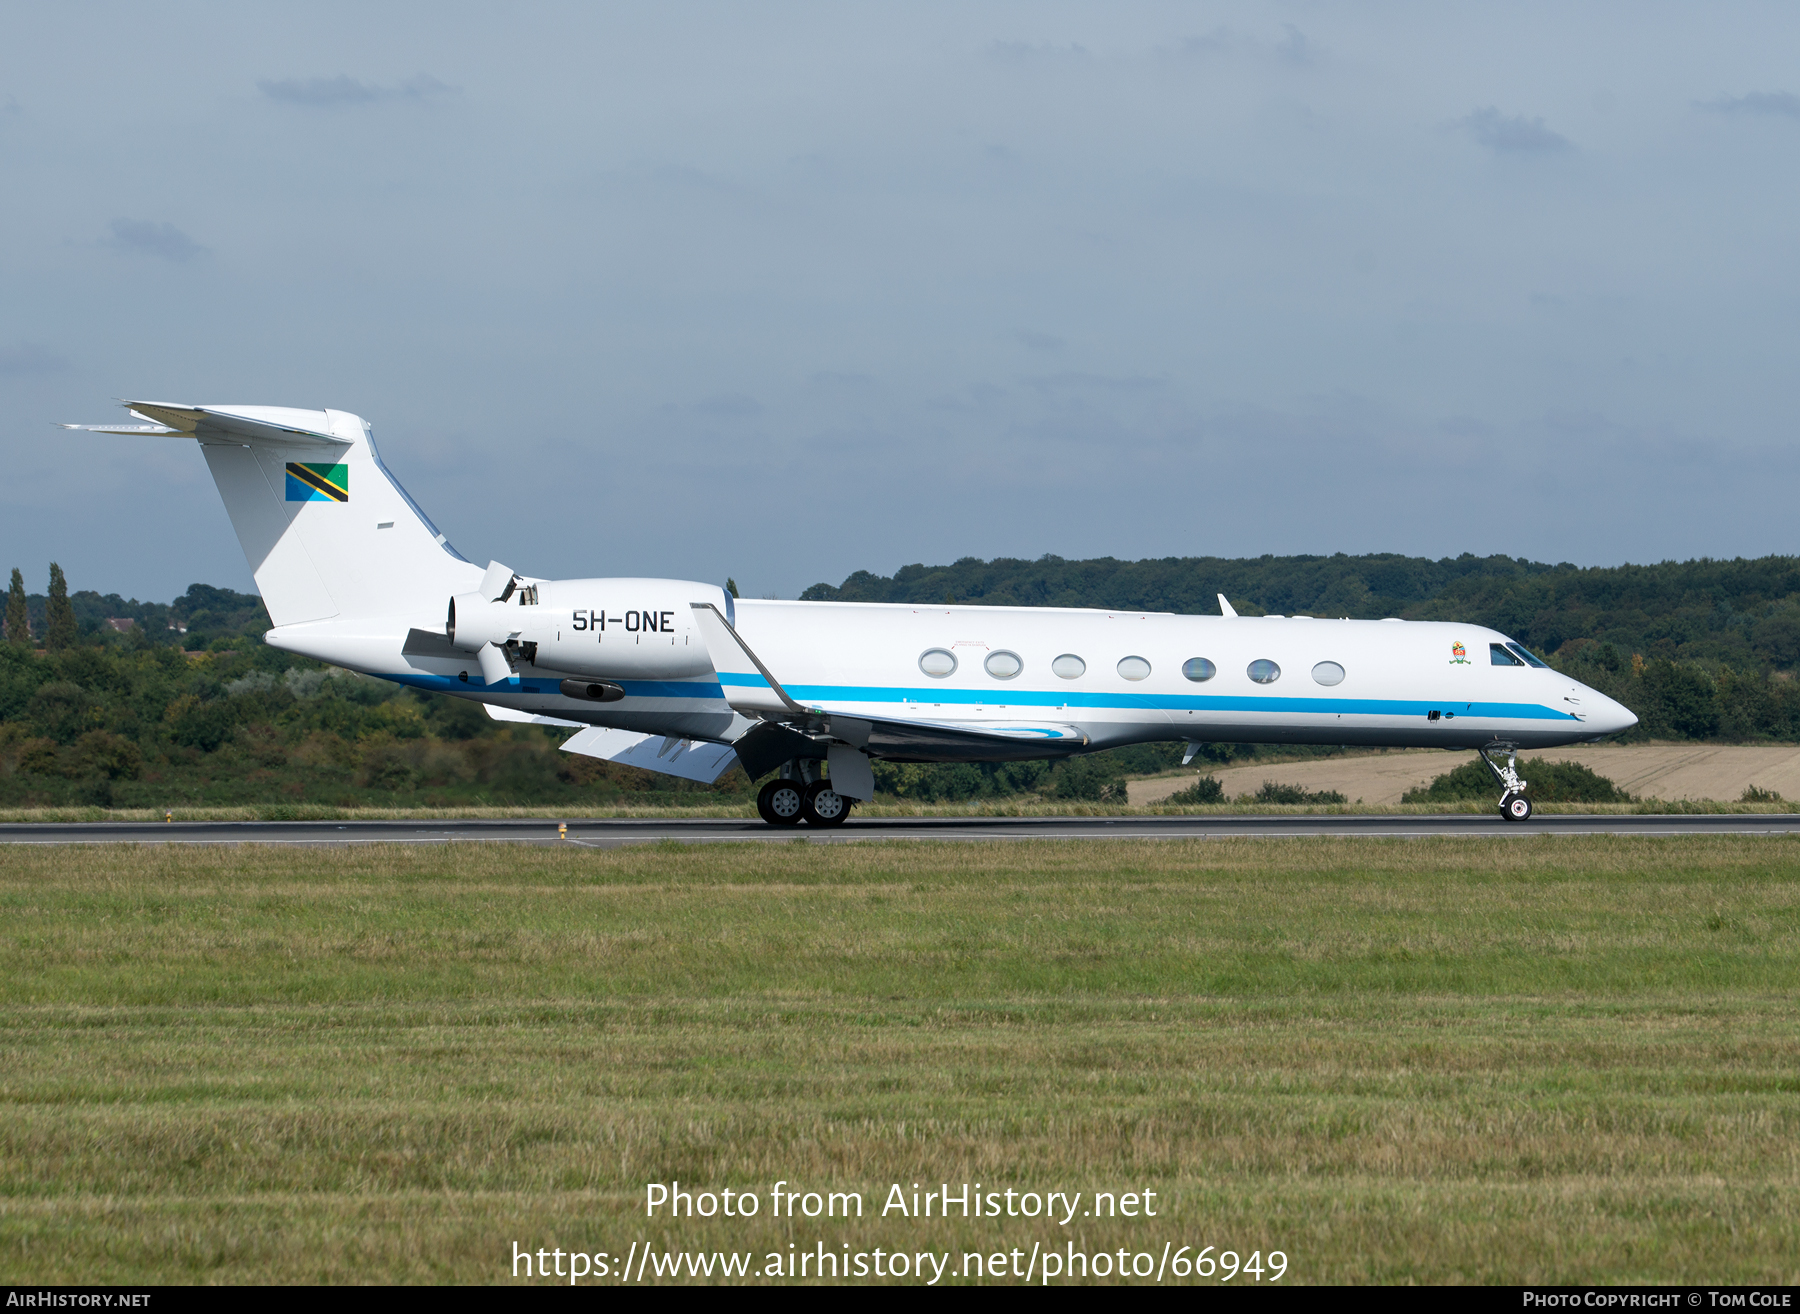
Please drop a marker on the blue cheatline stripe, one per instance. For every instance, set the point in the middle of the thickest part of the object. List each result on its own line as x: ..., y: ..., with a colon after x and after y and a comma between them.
x: 531, y: 685
x: 840, y: 693
x: 836, y: 693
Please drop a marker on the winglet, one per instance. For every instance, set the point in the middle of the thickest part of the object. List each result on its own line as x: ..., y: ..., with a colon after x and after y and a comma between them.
x: 734, y: 662
x: 1225, y: 608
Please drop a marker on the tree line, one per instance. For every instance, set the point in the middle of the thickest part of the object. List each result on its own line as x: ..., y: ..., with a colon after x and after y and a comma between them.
x: 1699, y: 649
x: 188, y: 705
x: 1739, y: 613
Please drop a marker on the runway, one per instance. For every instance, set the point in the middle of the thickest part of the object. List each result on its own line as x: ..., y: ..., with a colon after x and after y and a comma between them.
x: 607, y: 832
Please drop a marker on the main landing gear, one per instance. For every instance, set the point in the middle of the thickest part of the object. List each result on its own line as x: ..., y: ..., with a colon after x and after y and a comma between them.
x: 1514, y: 806
x: 792, y: 798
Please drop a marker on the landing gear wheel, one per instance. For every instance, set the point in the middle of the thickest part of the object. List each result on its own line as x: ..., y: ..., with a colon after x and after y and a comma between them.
x: 1515, y: 807
x: 781, y: 802
x: 824, y: 805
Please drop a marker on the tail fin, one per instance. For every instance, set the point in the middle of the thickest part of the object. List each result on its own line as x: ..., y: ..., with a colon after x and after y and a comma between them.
x: 327, y: 530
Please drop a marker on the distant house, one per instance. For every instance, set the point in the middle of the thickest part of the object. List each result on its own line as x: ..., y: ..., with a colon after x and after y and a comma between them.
x: 121, y: 623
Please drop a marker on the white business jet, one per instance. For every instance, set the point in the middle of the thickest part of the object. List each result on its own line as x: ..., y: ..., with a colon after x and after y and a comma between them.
x: 682, y: 678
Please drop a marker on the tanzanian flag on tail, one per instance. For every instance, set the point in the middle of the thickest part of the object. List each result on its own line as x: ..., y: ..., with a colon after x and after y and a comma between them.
x: 317, y: 483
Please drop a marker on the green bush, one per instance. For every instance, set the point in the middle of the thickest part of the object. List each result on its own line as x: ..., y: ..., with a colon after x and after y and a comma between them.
x: 1274, y: 793
x: 1089, y: 779
x: 1206, y: 789
x: 1547, y: 782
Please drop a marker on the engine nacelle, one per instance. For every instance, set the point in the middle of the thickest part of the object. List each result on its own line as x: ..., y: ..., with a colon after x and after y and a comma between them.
x: 474, y: 622
x: 609, y: 628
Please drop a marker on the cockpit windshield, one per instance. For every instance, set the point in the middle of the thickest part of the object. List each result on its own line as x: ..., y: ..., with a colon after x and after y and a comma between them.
x: 1530, y: 659
x: 1499, y: 656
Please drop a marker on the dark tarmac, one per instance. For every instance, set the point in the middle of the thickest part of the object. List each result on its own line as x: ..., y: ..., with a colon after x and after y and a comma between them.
x: 611, y: 832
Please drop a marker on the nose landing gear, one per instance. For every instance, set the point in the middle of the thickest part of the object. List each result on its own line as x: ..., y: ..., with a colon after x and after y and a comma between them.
x: 1514, y: 806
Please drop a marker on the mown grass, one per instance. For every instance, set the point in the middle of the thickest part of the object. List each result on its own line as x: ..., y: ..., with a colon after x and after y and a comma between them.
x: 1545, y: 1060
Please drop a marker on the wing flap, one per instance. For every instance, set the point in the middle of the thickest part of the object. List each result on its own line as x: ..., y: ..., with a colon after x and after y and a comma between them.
x: 972, y: 741
x: 526, y: 718
x: 689, y: 759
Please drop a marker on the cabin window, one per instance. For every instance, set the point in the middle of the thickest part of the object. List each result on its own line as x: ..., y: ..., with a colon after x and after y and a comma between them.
x: 1263, y: 671
x: 1003, y: 665
x: 1530, y: 660
x: 937, y: 663
x: 1198, y: 669
x: 1069, y: 666
x: 1498, y: 654
x: 1134, y: 668
x: 1328, y: 673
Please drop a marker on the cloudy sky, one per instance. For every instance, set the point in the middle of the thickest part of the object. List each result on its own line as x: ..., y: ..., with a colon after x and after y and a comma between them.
x: 783, y: 291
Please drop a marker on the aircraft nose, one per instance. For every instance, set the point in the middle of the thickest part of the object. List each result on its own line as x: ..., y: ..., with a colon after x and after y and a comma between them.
x: 1611, y: 718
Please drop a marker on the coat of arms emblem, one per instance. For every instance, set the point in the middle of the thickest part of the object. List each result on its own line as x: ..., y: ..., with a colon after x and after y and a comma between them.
x: 1459, y: 655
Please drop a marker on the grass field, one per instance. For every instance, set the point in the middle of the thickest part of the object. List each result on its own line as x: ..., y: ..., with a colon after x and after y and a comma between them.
x: 1655, y: 771
x: 1518, y: 1059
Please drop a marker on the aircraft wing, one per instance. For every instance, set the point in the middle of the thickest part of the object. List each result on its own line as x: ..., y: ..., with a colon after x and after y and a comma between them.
x: 277, y: 426
x: 752, y: 690
x: 691, y: 759
x: 527, y: 718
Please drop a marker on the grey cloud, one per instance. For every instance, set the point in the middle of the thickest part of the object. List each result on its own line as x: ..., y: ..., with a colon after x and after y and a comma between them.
x: 29, y: 359
x: 346, y: 90
x: 1466, y: 426
x: 1025, y: 52
x: 735, y: 404
x: 1293, y: 46
x: 146, y: 237
x: 1219, y: 41
x: 660, y: 176
x: 1782, y: 103
x: 1076, y: 379
x: 1507, y: 134
x: 861, y: 217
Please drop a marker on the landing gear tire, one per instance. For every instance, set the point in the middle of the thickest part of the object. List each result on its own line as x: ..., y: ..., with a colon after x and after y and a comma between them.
x: 781, y: 802
x: 1515, y: 807
x: 824, y: 805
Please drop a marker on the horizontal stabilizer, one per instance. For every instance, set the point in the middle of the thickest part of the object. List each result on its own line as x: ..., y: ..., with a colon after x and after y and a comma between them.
x: 151, y: 429
x: 690, y: 759
x: 277, y: 426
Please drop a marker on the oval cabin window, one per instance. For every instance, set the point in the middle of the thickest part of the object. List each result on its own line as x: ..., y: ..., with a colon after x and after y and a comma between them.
x: 937, y: 663
x: 1328, y: 673
x: 1264, y: 671
x: 1004, y: 665
x: 1069, y: 666
x: 1198, y: 669
x: 1134, y: 668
